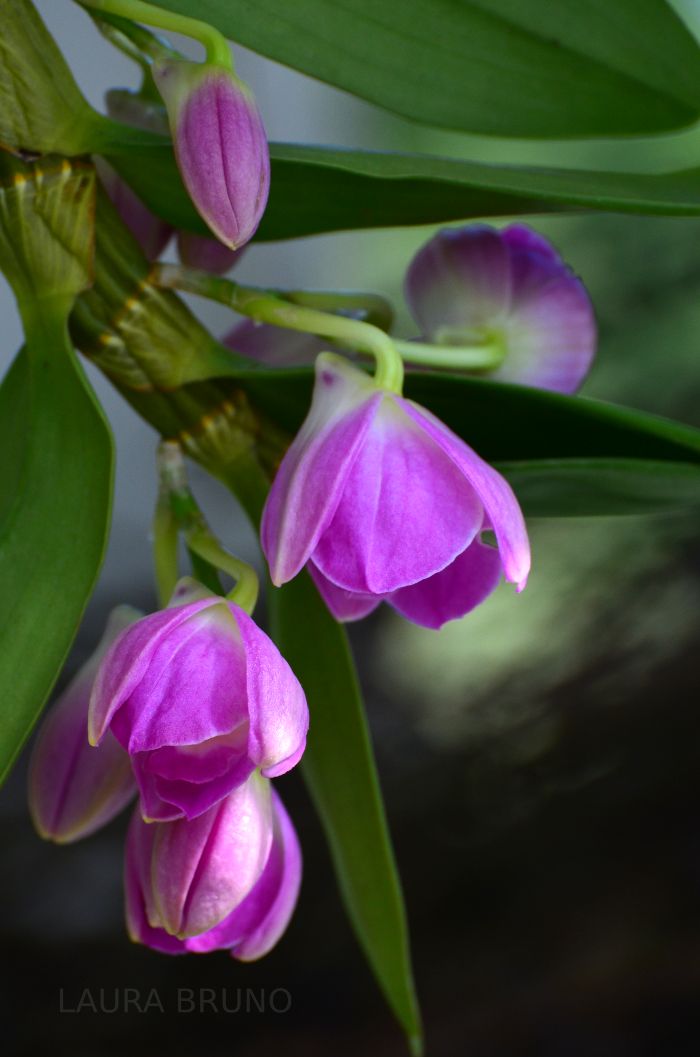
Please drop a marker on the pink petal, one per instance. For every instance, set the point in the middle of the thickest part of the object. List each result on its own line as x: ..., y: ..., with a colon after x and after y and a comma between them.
x: 499, y: 502
x: 454, y: 591
x: 139, y: 848
x: 277, y: 709
x: 519, y: 237
x: 273, y: 346
x: 344, y: 605
x: 203, y: 868
x: 406, y: 510
x: 311, y: 477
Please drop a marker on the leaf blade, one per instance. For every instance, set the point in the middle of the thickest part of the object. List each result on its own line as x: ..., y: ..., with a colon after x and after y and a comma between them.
x: 340, y: 772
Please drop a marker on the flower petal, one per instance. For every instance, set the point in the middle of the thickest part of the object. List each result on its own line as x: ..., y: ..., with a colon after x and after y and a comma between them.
x: 311, y: 477
x: 273, y: 346
x: 344, y: 605
x: 406, y: 509
x: 459, y: 279
x: 203, y: 868
x: 500, y: 504
x: 277, y: 709
x: 520, y: 237
x: 139, y: 847
x: 454, y: 591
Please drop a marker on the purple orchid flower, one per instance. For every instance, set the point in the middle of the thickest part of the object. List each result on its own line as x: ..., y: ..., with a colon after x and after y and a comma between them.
x: 220, y: 145
x: 385, y: 503
x: 75, y: 789
x: 235, y: 870
x: 199, y: 697
x: 475, y: 284
x: 207, y: 254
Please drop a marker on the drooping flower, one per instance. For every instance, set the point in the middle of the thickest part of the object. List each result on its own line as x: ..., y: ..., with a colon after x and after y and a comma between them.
x: 385, y: 503
x: 74, y: 789
x: 474, y: 285
x: 235, y: 870
x: 200, y: 697
x: 220, y: 145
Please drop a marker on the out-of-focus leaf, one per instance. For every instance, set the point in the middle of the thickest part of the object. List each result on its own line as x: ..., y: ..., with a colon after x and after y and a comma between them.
x: 56, y: 484
x: 341, y: 775
x: 41, y: 106
x: 502, y: 67
x: 318, y: 189
x: 588, y: 487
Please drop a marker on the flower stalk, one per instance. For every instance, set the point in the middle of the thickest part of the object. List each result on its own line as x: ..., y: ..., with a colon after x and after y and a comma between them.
x: 177, y: 511
x: 215, y: 45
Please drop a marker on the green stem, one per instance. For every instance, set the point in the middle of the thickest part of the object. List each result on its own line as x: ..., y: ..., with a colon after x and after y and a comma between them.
x: 132, y: 39
x: 265, y: 306
x: 375, y: 309
x: 486, y: 357
x: 215, y: 45
x: 183, y: 514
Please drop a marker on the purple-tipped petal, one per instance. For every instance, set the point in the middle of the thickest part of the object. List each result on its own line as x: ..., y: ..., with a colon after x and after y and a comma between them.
x: 344, y: 605
x: 311, y: 478
x: 273, y: 346
x: 210, y: 255
x: 220, y: 146
x: 455, y: 591
x: 496, y: 495
x: 74, y: 789
x: 475, y: 285
x: 202, y: 869
x: 459, y: 279
x: 406, y: 510
x: 277, y: 709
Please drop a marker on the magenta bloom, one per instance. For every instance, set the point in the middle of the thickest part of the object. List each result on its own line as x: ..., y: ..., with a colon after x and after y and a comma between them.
x: 151, y: 233
x: 74, y: 789
x: 227, y: 880
x: 199, y: 697
x: 474, y: 284
x: 385, y: 503
x: 220, y: 146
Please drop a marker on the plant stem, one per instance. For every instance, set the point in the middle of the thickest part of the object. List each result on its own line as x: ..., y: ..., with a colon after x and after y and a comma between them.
x: 486, y: 357
x: 215, y: 45
x: 266, y: 306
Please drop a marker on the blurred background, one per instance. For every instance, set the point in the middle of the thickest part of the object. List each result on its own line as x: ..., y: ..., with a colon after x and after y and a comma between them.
x: 539, y: 759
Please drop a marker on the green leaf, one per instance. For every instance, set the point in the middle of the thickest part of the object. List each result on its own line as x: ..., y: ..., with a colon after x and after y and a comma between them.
x: 341, y: 775
x: 588, y: 487
x: 56, y: 484
x: 41, y: 106
x: 501, y: 67
x: 316, y: 189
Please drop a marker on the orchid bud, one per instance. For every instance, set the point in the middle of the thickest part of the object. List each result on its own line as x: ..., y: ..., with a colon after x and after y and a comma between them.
x: 199, y: 697
x: 384, y: 503
x: 207, y: 254
x: 475, y: 284
x: 220, y: 145
x: 74, y: 789
x: 183, y: 874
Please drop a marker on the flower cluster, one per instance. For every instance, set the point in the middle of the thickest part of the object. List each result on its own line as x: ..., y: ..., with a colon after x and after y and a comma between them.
x: 194, y: 708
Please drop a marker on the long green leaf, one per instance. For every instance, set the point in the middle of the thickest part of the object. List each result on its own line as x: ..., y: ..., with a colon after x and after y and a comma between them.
x: 56, y: 482
x: 318, y: 189
x: 503, y: 67
x: 341, y: 775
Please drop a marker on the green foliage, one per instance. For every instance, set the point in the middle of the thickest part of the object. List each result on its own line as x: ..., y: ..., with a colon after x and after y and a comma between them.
x: 341, y: 775
x: 503, y: 67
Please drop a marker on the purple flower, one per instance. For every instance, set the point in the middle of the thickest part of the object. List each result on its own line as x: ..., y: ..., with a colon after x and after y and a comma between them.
x: 199, y: 697
x: 384, y: 503
x: 220, y: 145
x: 151, y: 233
x: 274, y: 346
x: 474, y: 284
x: 210, y: 255
x: 74, y: 789
x: 235, y: 870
